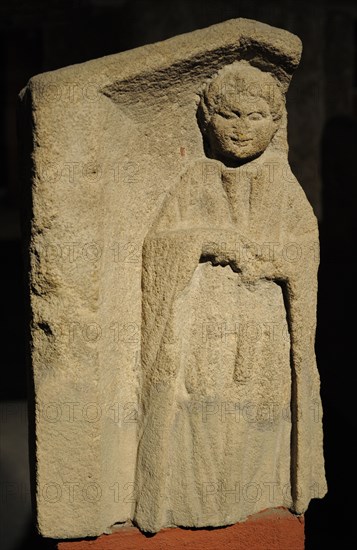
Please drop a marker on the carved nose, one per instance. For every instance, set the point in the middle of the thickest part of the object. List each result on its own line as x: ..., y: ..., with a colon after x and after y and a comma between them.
x: 240, y: 132
x: 240, y: 126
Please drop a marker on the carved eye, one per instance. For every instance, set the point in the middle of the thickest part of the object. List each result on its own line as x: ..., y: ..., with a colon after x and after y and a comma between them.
x: 226, y: 114
x: 255, y: 116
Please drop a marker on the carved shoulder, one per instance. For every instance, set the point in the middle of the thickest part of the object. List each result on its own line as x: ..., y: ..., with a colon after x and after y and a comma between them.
x: 196, y: 200
x: 299, y: 218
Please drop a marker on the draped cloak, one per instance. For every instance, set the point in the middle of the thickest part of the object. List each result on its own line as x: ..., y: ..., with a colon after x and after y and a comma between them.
x: 230, y: 415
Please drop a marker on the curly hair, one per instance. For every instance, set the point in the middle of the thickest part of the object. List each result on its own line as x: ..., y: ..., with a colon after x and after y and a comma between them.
x: 240, y: 78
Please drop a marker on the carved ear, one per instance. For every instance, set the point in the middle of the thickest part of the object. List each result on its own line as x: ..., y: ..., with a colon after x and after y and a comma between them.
x: 203, y: 117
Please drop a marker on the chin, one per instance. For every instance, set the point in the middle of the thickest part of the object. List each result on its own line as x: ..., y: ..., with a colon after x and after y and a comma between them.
x: 234, y: 159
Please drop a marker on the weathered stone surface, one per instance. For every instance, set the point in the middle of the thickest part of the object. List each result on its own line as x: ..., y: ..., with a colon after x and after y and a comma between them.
x: 172, y: 272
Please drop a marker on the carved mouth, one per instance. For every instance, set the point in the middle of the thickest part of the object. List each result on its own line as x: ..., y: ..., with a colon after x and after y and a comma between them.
x: 241, y: 140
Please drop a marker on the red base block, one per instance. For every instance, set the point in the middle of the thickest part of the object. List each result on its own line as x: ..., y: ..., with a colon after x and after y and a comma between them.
x: 275, y: 529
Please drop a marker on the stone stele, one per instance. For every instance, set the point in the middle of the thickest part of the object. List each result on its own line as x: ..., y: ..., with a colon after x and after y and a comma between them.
x: 172, y: 277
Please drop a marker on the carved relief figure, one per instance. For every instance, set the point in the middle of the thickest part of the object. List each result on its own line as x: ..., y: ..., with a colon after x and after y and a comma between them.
x: 230, y: 387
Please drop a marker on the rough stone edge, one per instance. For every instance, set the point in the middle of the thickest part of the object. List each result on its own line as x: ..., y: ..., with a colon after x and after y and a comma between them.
x: 236, y: 33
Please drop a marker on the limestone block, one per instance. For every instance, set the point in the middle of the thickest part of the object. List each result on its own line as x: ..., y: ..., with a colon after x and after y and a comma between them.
x: 172, y: 276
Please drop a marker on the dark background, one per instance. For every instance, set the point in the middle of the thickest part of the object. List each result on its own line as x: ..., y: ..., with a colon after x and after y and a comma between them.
x: 38, y: 36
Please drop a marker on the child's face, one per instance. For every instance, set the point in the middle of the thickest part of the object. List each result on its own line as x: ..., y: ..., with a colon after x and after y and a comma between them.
x: 241, y: 127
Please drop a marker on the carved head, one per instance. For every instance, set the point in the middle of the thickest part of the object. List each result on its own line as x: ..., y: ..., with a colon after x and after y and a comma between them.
x: 239, y: 113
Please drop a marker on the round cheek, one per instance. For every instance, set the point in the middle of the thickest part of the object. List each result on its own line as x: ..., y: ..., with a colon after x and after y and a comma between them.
x: 269, y: 128
x: 219, y: 127
x: 218, y: 132
x: 263, y: 133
